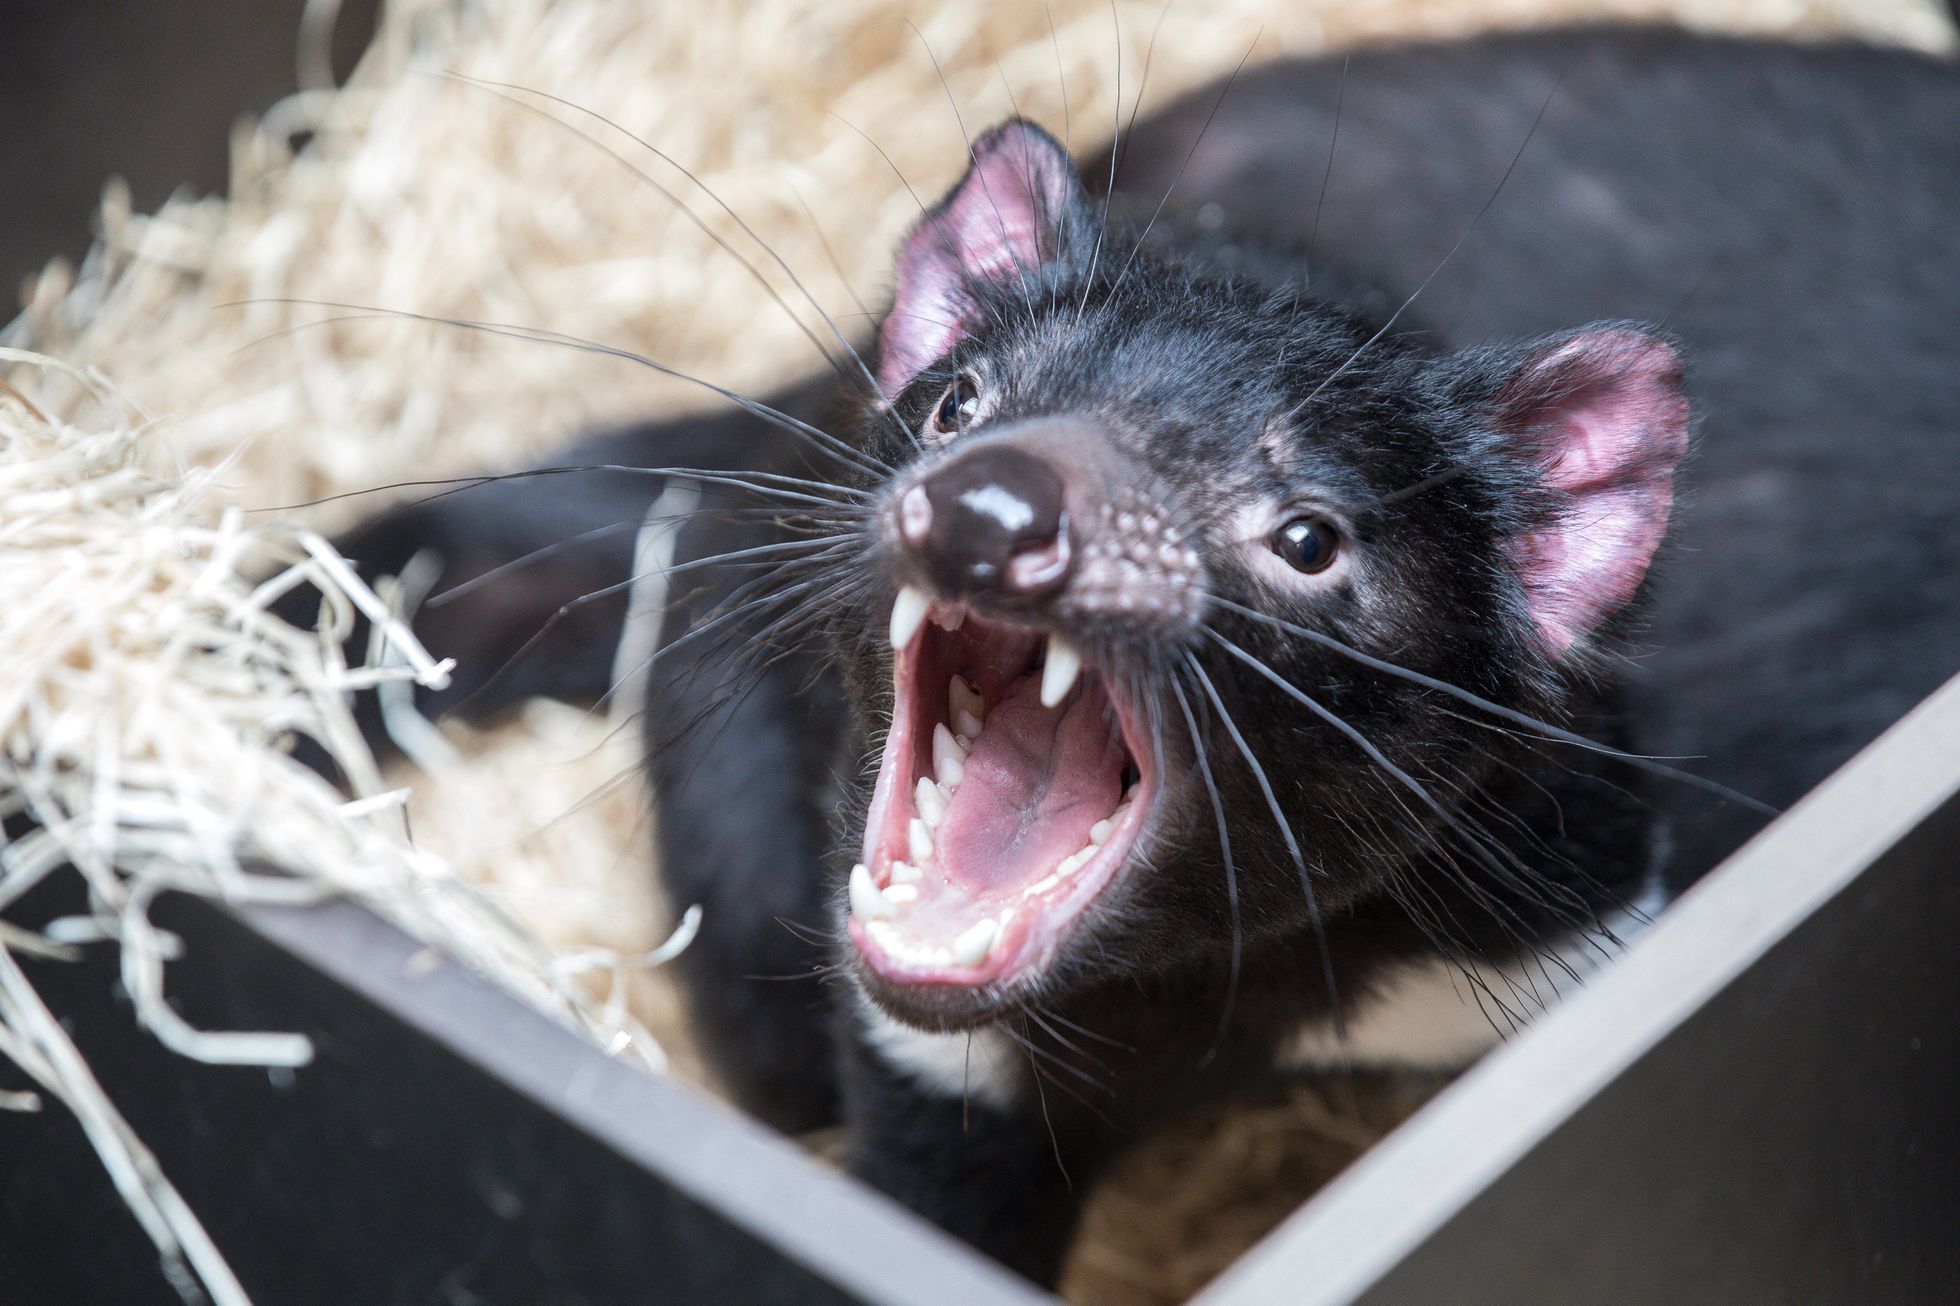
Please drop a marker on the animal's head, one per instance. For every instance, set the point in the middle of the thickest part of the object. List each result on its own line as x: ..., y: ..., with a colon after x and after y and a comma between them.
x: 1156, y: 553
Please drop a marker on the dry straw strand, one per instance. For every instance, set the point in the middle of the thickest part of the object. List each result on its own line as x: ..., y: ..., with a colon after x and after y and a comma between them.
x: 145, y: 692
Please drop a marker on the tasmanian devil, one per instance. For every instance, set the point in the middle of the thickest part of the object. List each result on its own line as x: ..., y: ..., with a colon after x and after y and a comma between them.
x: 1208, y: 636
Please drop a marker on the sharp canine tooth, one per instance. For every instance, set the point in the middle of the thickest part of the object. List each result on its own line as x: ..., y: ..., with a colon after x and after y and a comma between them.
x: 908, y: 614
x: 972, y: 947
x: 930, y: 799
x: 963, y: 697
x: 867, y: 903
x: 948, y: 758
x: 1099, y: 832
x: 942, y: 738
x: 1058, y: 674
x: 967, y: 724
x: 919, y: 843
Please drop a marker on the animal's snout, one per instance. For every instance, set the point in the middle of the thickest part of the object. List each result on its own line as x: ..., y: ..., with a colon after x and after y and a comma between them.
x: 991, y: 521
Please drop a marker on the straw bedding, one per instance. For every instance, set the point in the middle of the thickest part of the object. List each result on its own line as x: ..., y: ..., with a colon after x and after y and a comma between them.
x: 176, y: 380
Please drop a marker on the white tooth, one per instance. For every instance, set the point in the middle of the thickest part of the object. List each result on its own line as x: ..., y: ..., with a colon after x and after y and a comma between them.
x: 948, y: 758
x: 1041, y: 886
x: 1099, y: 832
x: 867, y: 903
x: 967, y: 724
x: 1059, y: 672
x: 902, y: 893
x: 883, y: 932
x: 943, y: 738
x: 1075, y: 861
x: 908, y: 614
x: 910, y: 950
x: 918, y: 842
x: 972, y: 947
x: 963, y: 697
x: 930, y: 799
x: 905, y: 872
x: 950, y: 620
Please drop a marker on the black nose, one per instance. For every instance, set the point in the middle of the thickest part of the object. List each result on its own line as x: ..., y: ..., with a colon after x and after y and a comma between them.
x: 990, y: 521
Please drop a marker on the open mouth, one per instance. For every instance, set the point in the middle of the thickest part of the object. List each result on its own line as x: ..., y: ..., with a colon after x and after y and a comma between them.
x: 1010, y: 794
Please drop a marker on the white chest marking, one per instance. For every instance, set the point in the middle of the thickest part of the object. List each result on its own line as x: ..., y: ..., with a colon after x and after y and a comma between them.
x: 1429, y: 1015
x: 981, y: 1064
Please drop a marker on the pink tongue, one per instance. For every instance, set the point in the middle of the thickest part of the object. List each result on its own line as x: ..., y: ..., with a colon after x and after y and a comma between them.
x: 1037, y: 780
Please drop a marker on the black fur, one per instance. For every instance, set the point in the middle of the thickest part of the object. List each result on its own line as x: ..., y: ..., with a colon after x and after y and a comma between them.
x: 1783, y: 213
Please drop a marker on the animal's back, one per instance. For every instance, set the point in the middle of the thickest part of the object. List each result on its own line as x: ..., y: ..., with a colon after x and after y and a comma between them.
x: 1787, y: 213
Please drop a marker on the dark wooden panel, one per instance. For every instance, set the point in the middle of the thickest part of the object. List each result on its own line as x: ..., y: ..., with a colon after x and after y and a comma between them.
x: 1756, y: 1105
x: 1796, y: 1140
x: 502, y: 1160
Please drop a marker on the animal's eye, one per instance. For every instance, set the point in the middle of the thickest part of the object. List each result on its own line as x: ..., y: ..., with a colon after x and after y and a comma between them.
x: 960, y: 406
x: 1307, y: 544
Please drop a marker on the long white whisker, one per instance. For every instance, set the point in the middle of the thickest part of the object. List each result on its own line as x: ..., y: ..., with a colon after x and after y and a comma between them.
x: 837, y: 448
x: 1178, y: 176
x: 1496, y: 709
x: 1292, y: 846
x: 462, y: 588
x: 1478, y: 846
x: 747, y: 230
x: 1441, y: 263
x: 1115, y: 143
x: 1231, y: 871
x: 1027, y: 298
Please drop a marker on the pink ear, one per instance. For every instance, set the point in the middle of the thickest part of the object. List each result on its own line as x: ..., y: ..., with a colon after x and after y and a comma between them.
x: 1604, y: 414
x: 1006, y: 217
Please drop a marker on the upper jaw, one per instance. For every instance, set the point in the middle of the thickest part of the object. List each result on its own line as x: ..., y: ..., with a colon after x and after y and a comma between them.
x: 948, y: 923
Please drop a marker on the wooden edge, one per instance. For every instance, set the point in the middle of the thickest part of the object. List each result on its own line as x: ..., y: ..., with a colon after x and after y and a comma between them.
x: 1408, y: 1186
x: 857, y: 1239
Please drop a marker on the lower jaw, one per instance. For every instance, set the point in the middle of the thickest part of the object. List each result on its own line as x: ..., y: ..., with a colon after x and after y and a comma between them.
x: 948, y: 1006
x: 1022, y: 964
x: 945, y: 1003
x: 943, y: 1008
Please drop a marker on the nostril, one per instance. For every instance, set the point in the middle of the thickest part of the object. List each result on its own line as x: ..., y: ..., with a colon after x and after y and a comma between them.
x: 915, y: 515
x: 992, y: 518
x: 1040, y: 567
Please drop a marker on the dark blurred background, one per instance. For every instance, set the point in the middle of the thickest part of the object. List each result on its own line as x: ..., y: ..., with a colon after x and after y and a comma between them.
x: 144, y: 89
